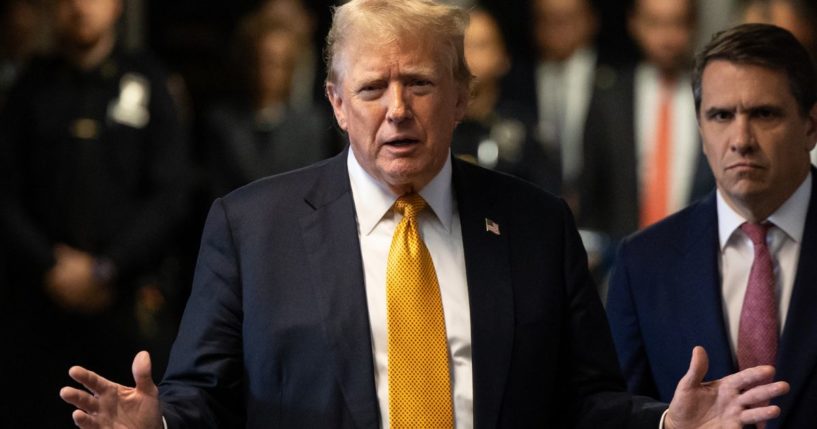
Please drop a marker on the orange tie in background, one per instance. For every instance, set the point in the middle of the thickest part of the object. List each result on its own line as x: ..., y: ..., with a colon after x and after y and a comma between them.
x: 655, y: 192
x: 419, y: 378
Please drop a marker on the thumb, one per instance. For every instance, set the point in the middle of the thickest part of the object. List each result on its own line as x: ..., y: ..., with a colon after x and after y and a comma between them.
x: 698, y: 366
x: 141, y: 372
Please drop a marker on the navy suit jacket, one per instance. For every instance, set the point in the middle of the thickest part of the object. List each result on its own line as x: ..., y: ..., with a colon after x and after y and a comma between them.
x: 276, y: 331
x: 665, y: 298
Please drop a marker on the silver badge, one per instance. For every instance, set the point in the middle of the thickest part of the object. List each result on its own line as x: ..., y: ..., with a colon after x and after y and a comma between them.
x: 130, y: 108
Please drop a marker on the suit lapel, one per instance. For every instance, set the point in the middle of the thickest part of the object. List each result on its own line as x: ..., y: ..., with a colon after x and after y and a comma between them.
x: 698, y: 288
x: 333, y: 250
x: 489, y: 291
x: 797, y: 356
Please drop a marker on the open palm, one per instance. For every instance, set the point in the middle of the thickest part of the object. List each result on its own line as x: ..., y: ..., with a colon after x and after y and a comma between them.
x: 110, y: 405
x: 729, y: 403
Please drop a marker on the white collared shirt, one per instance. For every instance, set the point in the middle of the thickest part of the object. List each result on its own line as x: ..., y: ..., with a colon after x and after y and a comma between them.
x: 737, y: 254
x: 563, y: 90
x: 685, y: 144
x: 440, y: 229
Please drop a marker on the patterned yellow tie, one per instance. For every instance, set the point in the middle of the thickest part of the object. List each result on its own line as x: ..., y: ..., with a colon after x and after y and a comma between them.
x: 419, y: 379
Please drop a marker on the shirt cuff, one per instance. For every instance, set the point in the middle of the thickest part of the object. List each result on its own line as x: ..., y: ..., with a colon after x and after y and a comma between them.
x: 660, y: 423
x: 164, y: 422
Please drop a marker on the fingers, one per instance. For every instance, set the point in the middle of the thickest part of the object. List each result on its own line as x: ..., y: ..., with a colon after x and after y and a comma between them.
x: 760, y: 414
x: 90, y: 379
x: 141, y: 369
x: 763, y: 394
x: 83, y: 420
x: 80, y: 399
x: 698, y: 366
x: 749, y: 378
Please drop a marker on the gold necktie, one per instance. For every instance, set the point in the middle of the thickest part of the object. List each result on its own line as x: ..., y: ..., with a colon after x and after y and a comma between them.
x: 419, y: 379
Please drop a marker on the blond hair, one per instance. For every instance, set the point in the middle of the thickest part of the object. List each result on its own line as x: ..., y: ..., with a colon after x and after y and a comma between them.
x: 394, y: 20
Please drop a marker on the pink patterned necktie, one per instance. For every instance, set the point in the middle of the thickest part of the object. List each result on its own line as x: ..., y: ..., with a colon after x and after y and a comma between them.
x: 758, y: 331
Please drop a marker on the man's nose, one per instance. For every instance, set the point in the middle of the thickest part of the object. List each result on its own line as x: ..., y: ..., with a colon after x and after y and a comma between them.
x: 743, y: 139
x: 399, y: 108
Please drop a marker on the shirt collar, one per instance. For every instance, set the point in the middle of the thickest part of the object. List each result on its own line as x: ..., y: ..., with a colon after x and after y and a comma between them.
x: 373, y: 200
x: 789, y: 217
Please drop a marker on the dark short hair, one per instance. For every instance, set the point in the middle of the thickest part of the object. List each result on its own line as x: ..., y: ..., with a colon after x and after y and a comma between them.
x: 761, y: 45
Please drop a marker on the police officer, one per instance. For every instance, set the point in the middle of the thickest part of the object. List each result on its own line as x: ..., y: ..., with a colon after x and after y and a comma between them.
x: 92, y: 181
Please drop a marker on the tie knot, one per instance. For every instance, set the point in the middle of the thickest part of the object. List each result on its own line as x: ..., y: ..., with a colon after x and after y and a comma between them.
x: 410, y: 205
x: 756, y: 231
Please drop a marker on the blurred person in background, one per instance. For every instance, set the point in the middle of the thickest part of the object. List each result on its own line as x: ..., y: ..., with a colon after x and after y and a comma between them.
x: 559, y: 84
x: 21, y: 30
x: 642, y: 158
x: 307, y: 79
x: 260, y: 132
x: 92, y: 181
x: 21, y: 24
x: 797, y: 16
x: 497, y: 133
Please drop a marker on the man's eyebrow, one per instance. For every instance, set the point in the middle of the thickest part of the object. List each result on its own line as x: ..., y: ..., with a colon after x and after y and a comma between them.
x: 766, y: 106
x: 418, y: 71
x: 718, y: 109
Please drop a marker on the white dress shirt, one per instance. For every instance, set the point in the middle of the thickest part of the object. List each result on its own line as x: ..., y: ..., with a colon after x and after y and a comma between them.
x: 737, y: 254
x: 683, y: 130
x: 440, y: 229
x: 563, y: 92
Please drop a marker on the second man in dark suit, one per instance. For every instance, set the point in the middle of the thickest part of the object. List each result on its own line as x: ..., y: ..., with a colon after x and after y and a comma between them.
x: 735, y: 272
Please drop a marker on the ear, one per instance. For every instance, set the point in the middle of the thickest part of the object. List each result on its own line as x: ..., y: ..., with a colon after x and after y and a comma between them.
x: 700, y: 133
x: 335, y: 96
x: 463, y: 98
x: 811, y: 127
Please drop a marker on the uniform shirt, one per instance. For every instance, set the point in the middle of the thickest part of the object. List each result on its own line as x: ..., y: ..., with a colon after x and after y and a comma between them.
x: 94, y: 159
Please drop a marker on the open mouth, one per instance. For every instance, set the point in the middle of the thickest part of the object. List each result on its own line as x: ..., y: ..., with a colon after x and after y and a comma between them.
x: 402, y: 142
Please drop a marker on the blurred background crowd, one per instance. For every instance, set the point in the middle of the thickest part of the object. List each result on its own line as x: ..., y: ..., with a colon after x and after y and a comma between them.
x: 121, y: 120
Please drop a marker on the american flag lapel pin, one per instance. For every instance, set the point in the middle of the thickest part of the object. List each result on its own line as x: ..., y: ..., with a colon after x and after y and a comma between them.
x: 491, y: 226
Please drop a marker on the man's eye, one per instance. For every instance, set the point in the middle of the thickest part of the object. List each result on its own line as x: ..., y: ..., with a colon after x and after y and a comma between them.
x: 369, y: 91
x: 720, y: 116
x: 765, y: 113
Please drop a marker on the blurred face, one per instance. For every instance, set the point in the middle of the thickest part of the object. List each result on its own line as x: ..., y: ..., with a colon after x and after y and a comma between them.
x: 562, y: 26
x: 85, y: 22
x: 484, y: 50
x: 784, y: 14
x: 663, y: 30
x: 293, y: 12
x: 276, y: 63
x: 755, y: 138
x: 399, y: 104
x: 19, y: 29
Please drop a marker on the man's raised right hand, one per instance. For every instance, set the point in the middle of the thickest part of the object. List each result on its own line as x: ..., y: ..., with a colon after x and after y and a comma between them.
x: 108, y: 405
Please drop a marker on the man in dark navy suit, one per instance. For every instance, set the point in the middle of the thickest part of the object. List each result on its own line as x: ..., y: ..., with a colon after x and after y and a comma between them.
x: 287, y: 324
x: 735, y: 272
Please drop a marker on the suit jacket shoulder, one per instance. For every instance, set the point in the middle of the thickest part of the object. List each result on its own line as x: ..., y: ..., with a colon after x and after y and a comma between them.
x: 664, y: 299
